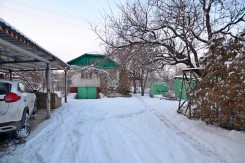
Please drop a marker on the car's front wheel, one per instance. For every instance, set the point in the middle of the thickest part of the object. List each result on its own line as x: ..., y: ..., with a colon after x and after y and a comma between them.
x: 24, y: 130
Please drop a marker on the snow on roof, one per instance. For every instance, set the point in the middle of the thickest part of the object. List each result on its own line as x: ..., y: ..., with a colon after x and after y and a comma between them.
x: 178, y: 76
x: 94, y: 53
x: 188, y: 69
x: 181, y: 76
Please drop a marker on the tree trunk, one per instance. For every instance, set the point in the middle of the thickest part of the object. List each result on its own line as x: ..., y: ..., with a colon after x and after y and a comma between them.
x: 142, y: 87
x: 134, y: 83
x: 142, y: 91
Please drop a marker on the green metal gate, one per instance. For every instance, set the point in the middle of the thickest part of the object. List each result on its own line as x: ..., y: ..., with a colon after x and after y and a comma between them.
x: 86, y: 93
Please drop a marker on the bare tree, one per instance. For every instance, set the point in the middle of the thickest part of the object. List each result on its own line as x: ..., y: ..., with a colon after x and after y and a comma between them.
x: 135, y: 60
x: 180, y: 31
x: 36, y: 79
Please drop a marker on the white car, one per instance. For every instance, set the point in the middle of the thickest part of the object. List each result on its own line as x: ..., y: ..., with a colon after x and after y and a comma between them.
x: 17, y: 104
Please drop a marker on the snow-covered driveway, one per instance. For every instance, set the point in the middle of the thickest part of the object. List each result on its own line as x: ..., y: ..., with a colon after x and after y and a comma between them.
x: 108, y: 130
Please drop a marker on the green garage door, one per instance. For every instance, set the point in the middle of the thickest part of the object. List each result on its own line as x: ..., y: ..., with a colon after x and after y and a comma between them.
x: 86, y: 93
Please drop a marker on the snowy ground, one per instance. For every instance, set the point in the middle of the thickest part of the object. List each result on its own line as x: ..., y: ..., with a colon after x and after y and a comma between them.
x: 126, y: 130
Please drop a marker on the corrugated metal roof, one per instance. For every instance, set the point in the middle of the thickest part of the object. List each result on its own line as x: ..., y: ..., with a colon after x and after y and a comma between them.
x: 19, y: 53
x: 95, y: 60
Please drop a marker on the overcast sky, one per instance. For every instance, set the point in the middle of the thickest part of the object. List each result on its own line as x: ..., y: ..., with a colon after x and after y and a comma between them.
x: 59, y: 26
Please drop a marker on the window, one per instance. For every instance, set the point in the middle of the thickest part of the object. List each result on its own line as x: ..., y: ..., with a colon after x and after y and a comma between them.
x: 86, y: 75
x: 4, y: 88
x: 24, y: 88
x: 27, y: 88
x: 82, y: 75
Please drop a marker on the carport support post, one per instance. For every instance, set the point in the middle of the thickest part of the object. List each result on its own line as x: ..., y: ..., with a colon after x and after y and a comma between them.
x: 10, y: 75
x: 65, y: 85
x: 48, y: 80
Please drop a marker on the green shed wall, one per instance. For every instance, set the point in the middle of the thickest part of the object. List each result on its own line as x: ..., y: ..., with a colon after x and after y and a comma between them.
x: 186, y: 87
x: 158, y: 88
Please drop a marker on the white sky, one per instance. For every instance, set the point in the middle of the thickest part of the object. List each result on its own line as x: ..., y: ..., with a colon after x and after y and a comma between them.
x: 59, y: 26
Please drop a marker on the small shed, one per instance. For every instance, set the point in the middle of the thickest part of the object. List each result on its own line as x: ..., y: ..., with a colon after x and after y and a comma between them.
x: 87, y: 70
x: 187, y: 83
x: 158, y: 88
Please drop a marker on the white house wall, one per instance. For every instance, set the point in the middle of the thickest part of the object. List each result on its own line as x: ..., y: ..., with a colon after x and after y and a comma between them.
x: 77, y: 81
x: 114, y: 79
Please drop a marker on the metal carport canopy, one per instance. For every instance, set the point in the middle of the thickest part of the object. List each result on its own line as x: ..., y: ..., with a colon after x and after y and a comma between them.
x: 19, y: 53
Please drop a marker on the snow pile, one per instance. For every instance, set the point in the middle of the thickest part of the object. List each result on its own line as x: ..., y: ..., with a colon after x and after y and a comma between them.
x: 132, y: 130
x: 228, y: 145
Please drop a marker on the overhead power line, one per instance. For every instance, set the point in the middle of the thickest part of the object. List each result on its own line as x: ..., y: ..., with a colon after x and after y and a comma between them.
x: 46, y: 18
x: 46, y: 10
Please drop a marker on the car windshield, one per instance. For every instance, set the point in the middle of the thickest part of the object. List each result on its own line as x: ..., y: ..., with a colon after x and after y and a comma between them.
x: 4, y: 88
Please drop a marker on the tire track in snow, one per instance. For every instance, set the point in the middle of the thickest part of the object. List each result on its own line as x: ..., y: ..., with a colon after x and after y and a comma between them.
x: 72, y: 135
x: 83, y: 148
x: 118, y: 142
x: 88, y: 139
x: 194, y: 142
x: 143, y: 144
x: 104, y: 138
x: 36, y: 142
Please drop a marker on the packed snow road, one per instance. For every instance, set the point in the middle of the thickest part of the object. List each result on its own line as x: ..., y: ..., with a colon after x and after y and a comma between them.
x: 108, y: 130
